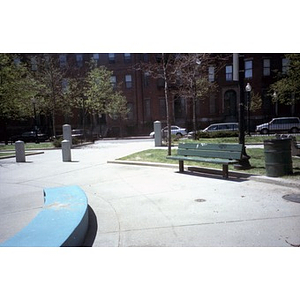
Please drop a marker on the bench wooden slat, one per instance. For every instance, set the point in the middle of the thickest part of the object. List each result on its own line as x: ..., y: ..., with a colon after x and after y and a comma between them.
x: 203, y: 159
x: 209, y: 153
x: 205, y: 146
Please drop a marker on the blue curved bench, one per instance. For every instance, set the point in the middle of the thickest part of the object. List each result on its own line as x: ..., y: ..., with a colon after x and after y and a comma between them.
x: 62, y: 222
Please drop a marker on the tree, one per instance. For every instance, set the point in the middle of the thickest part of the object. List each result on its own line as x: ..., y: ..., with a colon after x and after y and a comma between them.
x: 55, y: 92
x: 196, y: 75
x: 17, y: 88
x: 287, y: 88
x: 162, y: 67
x: 100, y: 97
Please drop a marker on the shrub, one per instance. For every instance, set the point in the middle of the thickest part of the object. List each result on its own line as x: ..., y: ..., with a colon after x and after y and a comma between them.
x: 57, y: 142
x: 217, y: 134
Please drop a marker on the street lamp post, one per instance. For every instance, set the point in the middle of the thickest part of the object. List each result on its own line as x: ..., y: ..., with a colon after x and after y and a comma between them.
x: 248, y: 91
x: 276, y: 103
x: 35, y: 121
x: 237, y: 60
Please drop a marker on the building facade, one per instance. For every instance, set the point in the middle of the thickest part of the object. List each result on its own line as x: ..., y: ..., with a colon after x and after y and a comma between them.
x: 146, y: 98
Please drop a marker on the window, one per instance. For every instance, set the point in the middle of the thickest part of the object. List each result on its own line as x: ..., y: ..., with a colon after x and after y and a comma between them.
x: 130, y: 110
x: 17, y: 61
x: 63, y: 60
x: 228, y: 73
x: 285, y: 65
x: 127, y: 57
x: 147, y: 109
x: 33, y: 63
x: 248, y: 69
x: 146, y: 79
x: 266, y: 67
x: 65, y: 85
x: 211, y: 74
x: 212, y: 104
x: 160, y: 82
x: 145, y: 57
x: 111, y: 58
x: 113, y: 81
x: 79, y: 60
x: 162, y: 108
x: 96, y: 56
x: 128, y: 81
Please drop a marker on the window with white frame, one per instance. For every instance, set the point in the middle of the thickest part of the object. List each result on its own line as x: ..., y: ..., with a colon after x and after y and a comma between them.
x: 285, y: 65
x: 79, y: 60
x: 248, y: 69
x: 113, y: 81
x: 128, y: 81
x: 229, y: 73
x: 147, y: 108
x: 162, y: 108
x: 63, y: 60
x: 130, y: 111
x: 127, y: 57
x: 266, y: 67
x: 211, y: 74
x: 146, y: 79
x: 65, y: 85
x: 96, y: 56
x: 111, y: 58
x: 17, y: 61
x: 33, y: 63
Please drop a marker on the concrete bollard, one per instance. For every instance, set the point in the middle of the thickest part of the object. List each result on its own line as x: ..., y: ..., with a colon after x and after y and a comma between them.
x: 67, y: 133
x: 66, y: 150
x: 157, y: 134
x: 20, y: 151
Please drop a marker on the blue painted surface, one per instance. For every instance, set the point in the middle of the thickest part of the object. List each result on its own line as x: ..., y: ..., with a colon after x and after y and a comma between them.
x: 63, y: 221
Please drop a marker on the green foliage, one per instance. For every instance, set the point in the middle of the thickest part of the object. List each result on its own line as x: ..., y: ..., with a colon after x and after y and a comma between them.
x: 100, y: 96
x: 287, y: 87
x: 217, y: 134
x: 17, y: 88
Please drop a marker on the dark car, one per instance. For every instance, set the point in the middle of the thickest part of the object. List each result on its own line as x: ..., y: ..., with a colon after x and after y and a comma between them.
x: 30, y: 136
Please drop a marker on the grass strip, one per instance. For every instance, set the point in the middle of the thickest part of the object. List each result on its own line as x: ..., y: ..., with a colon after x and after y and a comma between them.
x: 257, y: 161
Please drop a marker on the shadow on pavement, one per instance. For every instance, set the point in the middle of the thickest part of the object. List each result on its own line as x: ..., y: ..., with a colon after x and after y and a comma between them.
x: 92, y: 229
x: 216, y: 174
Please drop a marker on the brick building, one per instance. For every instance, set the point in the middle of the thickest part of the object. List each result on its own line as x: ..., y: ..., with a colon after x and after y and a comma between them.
x: 146, y: 100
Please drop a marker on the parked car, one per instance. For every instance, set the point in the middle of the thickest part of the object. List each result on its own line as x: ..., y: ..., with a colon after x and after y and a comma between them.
x: 276, y: 125
x: 30, y: 136
x: 222, y: 127
x: 77, y: 133
x: 175, y: 130
x: 217, y: 127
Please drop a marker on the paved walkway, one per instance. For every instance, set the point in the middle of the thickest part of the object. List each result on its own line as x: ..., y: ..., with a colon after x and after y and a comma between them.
x: 151, y: 206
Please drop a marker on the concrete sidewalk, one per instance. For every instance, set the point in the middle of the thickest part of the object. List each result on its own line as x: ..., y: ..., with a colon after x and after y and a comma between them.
x: 135, y: 205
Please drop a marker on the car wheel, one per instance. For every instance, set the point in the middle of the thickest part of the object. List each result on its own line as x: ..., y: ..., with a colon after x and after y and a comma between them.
x: 294, y: 130
x: 178, y: 134
x: 264, y: 131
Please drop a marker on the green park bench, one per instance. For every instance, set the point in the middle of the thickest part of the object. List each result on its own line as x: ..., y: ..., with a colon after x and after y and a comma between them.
x: 224, y: 154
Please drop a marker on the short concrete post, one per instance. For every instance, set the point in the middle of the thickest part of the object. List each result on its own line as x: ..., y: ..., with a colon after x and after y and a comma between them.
x: 66, y: 150
x: 20, y: 151
x: 157, y: 134
x: 67, y: 133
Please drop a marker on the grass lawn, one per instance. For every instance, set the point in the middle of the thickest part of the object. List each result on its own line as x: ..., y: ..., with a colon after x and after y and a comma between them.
x: 257, y: 161
x: 46, y: 145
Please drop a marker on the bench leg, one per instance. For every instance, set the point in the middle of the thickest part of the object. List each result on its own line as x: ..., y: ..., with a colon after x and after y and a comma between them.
x: 225, y: 171
x: 181, y: 166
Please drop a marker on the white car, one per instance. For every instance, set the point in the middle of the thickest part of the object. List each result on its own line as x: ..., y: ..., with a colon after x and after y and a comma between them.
x: 276, y: 125
x: 175, y: 130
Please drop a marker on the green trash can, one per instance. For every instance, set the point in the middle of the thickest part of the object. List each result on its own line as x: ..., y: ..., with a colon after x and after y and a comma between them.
x: 278, y: 157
